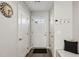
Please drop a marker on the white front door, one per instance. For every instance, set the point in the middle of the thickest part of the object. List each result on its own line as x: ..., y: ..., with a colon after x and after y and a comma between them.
x: 40, y: 30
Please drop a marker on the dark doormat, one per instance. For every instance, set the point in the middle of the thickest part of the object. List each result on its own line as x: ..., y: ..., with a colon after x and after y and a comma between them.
x: 40, y: 51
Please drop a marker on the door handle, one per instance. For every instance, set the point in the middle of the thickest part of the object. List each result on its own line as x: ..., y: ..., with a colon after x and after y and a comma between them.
x: 20, y: 39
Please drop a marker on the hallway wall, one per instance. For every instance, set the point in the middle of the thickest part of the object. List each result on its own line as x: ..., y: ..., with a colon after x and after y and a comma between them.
x: 8, y: 33
x: 62, y: 23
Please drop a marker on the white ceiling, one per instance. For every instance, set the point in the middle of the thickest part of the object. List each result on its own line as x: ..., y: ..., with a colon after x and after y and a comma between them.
x: 39, y: 5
